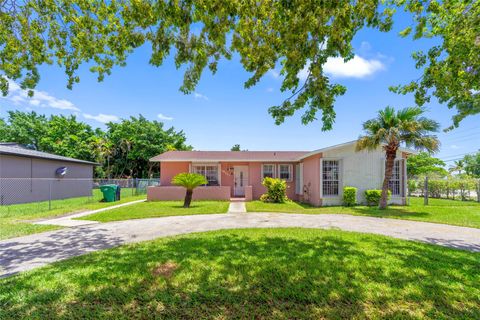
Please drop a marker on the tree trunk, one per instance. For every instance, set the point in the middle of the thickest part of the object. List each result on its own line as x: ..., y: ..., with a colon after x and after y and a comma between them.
x: 188, y: 198
x: 388, y: 175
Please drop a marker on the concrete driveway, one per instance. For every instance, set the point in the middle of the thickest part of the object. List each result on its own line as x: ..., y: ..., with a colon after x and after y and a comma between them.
x: 25, y: 253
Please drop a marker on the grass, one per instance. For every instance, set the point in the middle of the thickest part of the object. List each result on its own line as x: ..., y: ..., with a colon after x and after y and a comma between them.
x: 460, y: 213
x: 159, y: 209
x: 254, y: 274
x: 15, y: 219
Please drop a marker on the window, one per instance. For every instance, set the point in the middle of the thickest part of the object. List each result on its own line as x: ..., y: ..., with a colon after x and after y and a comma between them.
x: 330, y: 177
x: 210, y: 172
x: 394, y: 183
x: 285, y: 172
x: 268, y: 170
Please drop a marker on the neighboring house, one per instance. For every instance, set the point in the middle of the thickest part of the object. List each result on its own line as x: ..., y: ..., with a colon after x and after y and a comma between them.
x: 316, y: 177
x: 28, y: 175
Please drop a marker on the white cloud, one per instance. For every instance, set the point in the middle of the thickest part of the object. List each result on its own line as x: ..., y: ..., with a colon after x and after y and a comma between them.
x: 103, y: 118
x: 164, y: 117
x: 274, y: 73
x: 270, y: 89
x: 454, y: 146
x: 200, y: 96
x: 357, y: 67
x: 40, y: 98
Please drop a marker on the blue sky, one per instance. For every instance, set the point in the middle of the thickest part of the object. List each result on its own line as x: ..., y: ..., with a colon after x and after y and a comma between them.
x: 222, y: 113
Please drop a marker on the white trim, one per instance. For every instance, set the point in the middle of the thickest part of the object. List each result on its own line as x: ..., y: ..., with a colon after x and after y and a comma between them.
x: 267, y: 164
x: 299, y: 179
x: 341, y: 145
x: 290, y: 171
x: 225, y: 160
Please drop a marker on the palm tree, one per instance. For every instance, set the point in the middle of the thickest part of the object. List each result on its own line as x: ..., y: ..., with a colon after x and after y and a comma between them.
x: 189, y: 181
x: 459, y: 165
x: 392, y: 128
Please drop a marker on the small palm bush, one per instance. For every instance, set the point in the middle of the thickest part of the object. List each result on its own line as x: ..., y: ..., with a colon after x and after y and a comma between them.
x: 276, y: 190
x: 189, y: 181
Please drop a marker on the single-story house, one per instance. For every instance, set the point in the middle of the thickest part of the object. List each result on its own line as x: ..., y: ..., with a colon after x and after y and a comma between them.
x: 316, y: 177
x: 29, y: 176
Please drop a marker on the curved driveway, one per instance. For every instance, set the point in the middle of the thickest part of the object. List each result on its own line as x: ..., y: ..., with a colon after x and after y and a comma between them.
x: 25, y: 253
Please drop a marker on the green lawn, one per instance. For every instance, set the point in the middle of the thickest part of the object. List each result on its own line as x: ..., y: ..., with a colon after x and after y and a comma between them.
x: 158, y: 209
x: 14, y: 219
x: 253, y: 273
x: 461, y: 213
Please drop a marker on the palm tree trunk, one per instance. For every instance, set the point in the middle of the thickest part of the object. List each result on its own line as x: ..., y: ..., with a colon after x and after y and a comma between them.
x: 188, y: 198
x: 388, y: 175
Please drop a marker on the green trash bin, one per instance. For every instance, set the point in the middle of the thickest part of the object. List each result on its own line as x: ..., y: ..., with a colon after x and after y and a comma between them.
x: 109, y: 192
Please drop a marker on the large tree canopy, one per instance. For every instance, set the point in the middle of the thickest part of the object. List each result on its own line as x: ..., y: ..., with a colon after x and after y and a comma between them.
x: 423, y: 164
x: 292, y: 34
x: 123, y: 149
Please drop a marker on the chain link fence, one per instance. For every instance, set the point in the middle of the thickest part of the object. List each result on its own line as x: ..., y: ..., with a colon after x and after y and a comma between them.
x: 463, y: 189
x: 38, y: 194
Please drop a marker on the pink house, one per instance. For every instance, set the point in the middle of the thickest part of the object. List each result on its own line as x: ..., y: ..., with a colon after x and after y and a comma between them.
x: 316, y: 177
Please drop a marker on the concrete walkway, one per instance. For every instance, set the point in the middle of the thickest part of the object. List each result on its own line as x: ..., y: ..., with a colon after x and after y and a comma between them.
x: 25, y: 253
x: 237, y: 207
x: 67, y: 221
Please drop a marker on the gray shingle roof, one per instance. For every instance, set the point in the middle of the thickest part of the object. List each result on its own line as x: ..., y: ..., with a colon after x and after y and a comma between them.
x: 9, y: 149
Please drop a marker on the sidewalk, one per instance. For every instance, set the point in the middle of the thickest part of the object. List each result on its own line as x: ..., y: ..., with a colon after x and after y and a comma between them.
x: 67, y: 221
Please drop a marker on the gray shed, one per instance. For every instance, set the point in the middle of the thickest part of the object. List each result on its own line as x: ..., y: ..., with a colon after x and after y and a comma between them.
x: 29, y: 176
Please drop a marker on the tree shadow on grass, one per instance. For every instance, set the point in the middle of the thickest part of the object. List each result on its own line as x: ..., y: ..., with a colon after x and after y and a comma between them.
x: 391, y: 211
x: 271, y: 274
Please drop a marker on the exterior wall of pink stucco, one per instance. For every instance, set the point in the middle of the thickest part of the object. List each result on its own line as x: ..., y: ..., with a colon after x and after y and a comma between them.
x: 178, y: 193
x: 169, y: 169
x: 255, y: 179
x: 311, y: 180
x: 253, y: 190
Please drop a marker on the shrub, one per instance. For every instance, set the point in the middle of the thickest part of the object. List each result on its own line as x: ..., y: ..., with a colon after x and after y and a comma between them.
x: 373, y: 197
x: 349, y: 196
x: 276, y: 190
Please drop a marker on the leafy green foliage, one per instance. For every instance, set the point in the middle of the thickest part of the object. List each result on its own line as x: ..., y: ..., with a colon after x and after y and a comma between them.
x: 135, y: 140
x: 453, y: 187
x: 450, y: 69
x: 265, y: 35
x: 124, y: 149
x: 293, y: 35
x: 236, y: 147
x: 472, y: 164
x: 390, y: 129
x: 349, y: 196
x: 373, y: 197
x: 276, y: 190
x: 423, y: 163
x: 189, y: 180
